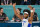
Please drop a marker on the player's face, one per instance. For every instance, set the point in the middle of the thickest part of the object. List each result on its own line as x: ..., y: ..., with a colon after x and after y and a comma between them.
x: 25, y: 15
x: 1, y: 10
x: 18, y: 11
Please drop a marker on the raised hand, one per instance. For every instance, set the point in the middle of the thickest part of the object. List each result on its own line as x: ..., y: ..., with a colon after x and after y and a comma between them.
x: 14, y: 4
x: 30, y: 7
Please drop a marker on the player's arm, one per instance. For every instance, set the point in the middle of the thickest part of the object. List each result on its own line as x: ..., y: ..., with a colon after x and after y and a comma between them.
x: 31, y: 14
x: 18, y: 15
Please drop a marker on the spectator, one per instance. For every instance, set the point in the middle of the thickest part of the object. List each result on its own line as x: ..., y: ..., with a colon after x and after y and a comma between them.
x: 35, y: 17
x: 15, y: 18
x: 6, y: 2
x: 33, y: 2
x: 39, y: 2
x: 0, y: 2
x: 3, y: 16
x: 25, y: 2
x: 18, y: 2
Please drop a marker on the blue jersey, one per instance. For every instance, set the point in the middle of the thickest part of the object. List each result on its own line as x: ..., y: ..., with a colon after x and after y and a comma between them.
x: 29, y: 25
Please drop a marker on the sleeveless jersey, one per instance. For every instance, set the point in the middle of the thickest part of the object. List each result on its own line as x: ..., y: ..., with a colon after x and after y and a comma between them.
x: 25, y: 23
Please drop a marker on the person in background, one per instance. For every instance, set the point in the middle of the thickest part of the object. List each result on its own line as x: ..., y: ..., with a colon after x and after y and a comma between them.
x: 25, y: 2
x: 15, y: 18
x: 35, y: 17
x: 16, y: 1
x: 34, y: 2
x: 3, y: 16
x: 0, y: 2
x: 39, y: 2
x: 6, y: 2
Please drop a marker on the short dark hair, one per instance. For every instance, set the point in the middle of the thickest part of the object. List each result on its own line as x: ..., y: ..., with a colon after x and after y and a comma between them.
x: 19, y: 9
x: 1, y: 8
x: 26, y: 10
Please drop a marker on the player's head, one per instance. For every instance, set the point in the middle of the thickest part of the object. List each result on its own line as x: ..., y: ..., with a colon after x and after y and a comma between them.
x: 1, y: 10
x: 26, y: 13
x: 18, y: 10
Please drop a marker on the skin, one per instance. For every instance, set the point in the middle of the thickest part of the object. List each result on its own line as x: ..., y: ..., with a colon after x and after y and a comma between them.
x: 10, y: 3
x: 6, y: 4
x: 25, y: 0
x: 37, y: 18
x: 21, y: 17
x: 1, y: 11
x: 2, y: 4
x: 25, y: 15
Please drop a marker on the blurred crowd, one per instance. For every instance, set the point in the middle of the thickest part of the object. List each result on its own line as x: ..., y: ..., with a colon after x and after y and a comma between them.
x: 4, y: 18
x: 20, y: 2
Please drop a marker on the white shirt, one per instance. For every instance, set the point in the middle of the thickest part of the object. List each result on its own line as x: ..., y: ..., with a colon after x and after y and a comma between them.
x: 25, y: 23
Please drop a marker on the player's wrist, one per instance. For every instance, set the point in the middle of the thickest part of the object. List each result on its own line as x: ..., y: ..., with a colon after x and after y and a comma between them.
x: 31, y: 10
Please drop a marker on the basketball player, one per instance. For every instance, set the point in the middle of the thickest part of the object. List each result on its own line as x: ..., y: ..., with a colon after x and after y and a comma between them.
x: 26, y: 20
